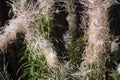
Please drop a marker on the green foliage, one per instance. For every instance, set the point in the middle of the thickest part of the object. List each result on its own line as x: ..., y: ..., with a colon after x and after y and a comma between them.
x: 44, y: 26
x: 114, y: 76
x: 33, y: 67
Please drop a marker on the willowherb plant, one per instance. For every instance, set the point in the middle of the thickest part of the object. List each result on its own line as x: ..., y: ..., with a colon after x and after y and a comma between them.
x: 69, y: 36
x: 39, y: 44
x: 97, y: 35
x: 22, y: 22
x: 27, y: 15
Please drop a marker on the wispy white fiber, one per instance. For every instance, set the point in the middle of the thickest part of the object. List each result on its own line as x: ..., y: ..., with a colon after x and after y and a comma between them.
x: 22, y: 22
x: 98, y: 31
x: 97, y: 36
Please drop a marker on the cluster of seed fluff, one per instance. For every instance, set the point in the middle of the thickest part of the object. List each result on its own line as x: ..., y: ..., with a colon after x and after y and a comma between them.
x: 97, y: 35
x: 22, y: 22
